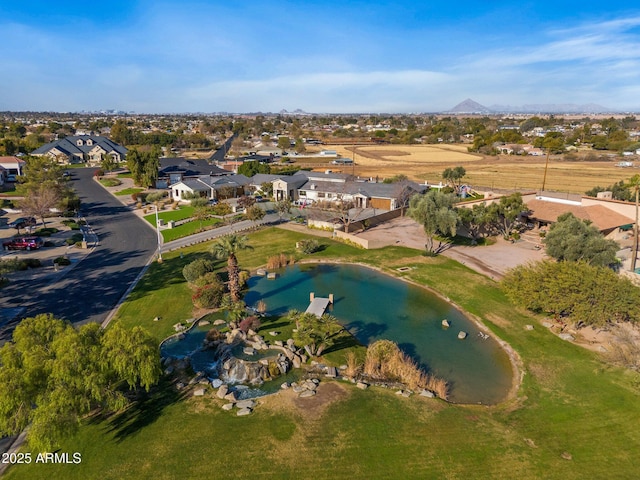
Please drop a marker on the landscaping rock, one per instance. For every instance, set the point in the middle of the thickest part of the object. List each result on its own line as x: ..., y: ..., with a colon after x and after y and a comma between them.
x: 427, y: 393
x: 547, y: 324
x: 297, y: 363
x: 243, y: 412
x: 219, y: 322
x: 332, y: 372
x: 264, y: 361
x: 446, y: 323
x: 180, y: 385
x: 291, y: 343
x: 199, y: 392
x: 307, y: 393
x: 285, y: 386
x: 203, y: 323
x: 169, y: 370
x: 462, y: 335
x: 227, y: 406
x: 156, y: 319
x: 216, y: 383
x: 362, y: 385
x: 231, y: 396
x: 399, y: 392
x: 274, y: 334
x: 249, y: 403
x: 528, y: 327
x: 222, y: 391
x: 567, y: 336
x: 406, y: 394
x: 279, y: 343
x: 249, y: 351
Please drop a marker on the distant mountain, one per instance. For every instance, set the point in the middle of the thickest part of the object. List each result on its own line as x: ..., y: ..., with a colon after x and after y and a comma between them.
x: 552, y: 108
x: 297, y: 111
x: 470, y: 106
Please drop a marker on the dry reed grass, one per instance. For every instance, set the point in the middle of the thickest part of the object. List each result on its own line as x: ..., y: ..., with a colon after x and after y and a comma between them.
x: 354, y: 367
x: 385, y: 361
x: 280, y: 261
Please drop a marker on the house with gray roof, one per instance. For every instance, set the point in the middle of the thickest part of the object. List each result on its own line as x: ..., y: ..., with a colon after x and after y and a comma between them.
x: 317, y: 187
x: 211, y: 187
x: 82, y: 149
x: 174, y: 170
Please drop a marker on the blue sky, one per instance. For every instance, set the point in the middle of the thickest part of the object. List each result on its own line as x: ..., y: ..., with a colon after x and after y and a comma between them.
x: 319, y: 56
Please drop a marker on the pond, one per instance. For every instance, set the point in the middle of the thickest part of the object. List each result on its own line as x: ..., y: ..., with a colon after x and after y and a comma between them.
x: 376, y: 306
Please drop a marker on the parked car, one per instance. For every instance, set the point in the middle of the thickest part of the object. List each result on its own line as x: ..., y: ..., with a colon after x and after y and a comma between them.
x: 23, y: 222
x: 23, y: 243
x: 260, y: 198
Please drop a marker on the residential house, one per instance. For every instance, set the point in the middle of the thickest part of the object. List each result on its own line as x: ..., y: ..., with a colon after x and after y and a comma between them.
x: 13, y: 166
x: 89, y: 149
x: 174, y: 170
x: 312, y: 187
x: 211, y: 187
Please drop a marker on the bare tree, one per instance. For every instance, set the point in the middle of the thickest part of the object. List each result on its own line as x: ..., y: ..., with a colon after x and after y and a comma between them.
x: 39, y: 202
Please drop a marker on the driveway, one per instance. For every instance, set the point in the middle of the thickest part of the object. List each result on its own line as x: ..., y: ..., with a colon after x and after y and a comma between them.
x: 492, y: 260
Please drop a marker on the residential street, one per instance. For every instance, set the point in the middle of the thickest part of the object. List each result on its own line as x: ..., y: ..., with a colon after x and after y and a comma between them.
x: 93, y: 287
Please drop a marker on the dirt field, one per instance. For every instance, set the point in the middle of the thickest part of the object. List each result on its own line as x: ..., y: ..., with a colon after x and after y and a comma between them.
x: 426, y: 162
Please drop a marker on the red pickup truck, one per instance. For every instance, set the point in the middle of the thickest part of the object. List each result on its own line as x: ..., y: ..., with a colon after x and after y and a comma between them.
x: 23, y: 243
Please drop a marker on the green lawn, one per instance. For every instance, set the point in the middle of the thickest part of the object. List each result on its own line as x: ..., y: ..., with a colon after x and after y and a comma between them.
x: 128, y: 191
x: 188, y: 228
x: 167, y: 215
x: 570, y: 402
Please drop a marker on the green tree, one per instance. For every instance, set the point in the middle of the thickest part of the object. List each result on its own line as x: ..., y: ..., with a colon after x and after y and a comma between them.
x: 505, y: 214
x: 135, y: 164
x: 52, y: 375
x: 227, y: 247
x: 254, y: 213
x: 284, y: 143
x: 572, y: 239
x: 434, y: 211
x: 283, y: 207
x: 475, y: 220
x: 201, y: 213
x: 196, y: 269
x: 250, y: 168
x: 454, y: 176
x: 108, y: 164
x: 585, y: 294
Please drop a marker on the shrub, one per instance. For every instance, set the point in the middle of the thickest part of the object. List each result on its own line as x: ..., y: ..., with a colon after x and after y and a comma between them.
x: 62, y: 261
x: 309, y: 246
x: 196, y: 269
x: 249, y: 323
x: 110, y: 182
x: 199, y: 202
x: 74, y: 239
x: 155, y: 196
x: 209, y: 278
x: 98, y: 173
x: 33, y: 262
x: 45, y: 232
x: 209, y: 296
x: 243, y: 277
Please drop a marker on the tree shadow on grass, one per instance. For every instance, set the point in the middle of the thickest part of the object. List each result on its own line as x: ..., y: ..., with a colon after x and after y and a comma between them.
x: 143, y: 411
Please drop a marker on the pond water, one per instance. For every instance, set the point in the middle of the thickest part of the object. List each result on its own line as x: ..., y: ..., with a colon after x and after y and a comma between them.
x: 376, y: 306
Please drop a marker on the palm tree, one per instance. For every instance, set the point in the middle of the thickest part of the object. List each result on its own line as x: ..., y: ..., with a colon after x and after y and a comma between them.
x: 227, y: 247
x: 634, y: 183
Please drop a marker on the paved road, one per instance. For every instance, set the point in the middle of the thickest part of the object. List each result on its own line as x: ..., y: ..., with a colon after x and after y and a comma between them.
x: 93, y: 287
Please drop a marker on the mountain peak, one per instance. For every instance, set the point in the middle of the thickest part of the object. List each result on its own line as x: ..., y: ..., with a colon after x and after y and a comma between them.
x: 470, y: 106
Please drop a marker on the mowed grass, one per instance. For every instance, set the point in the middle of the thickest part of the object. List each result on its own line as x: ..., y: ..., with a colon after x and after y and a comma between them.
x: 167, y: 215
x: 573, y: 417
x: 128, y: 191
x: 188, y: 228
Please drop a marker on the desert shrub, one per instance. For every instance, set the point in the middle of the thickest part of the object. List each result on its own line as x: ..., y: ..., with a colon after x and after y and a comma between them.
x: 309, y: 246
x: 274, y: 371
x: 625, y: 350
x: 249, y: 323
x: 221, y: 209
x: 12, y: 265
x: 199, y: 202
x: 155, y: 196
x: 72, y: 224
x: 45, y: 232
x: 261, y: 306
x: 209, y: 296
x: 209, y: 278
x: 62, y: 261
x: 243, y: 277
x: 33, y: 262
x: 197, y: 268
x: 75, y: 238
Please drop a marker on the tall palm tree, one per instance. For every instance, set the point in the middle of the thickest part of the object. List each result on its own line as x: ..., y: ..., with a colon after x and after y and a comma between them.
x: 634, y: 183
x: 227, y: 247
